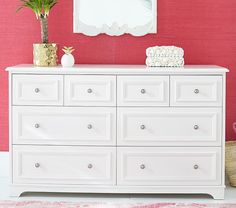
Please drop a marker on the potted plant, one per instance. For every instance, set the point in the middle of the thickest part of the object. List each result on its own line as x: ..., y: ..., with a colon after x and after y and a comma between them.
x: 45, y: 53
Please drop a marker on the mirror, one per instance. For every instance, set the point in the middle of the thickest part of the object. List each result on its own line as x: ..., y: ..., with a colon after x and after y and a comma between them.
x: 115, y: 17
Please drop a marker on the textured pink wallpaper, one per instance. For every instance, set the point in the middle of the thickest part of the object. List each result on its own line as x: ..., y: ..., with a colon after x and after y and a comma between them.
x: 206, y: 29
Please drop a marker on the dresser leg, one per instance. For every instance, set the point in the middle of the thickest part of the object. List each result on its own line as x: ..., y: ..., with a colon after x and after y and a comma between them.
x: 219, y: 194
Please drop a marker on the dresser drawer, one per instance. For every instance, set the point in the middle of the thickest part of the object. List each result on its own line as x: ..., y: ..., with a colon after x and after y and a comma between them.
x: 64, y: 125
x: 196, y: 91
x: 169, y: 126
x: 143, y: 90
x: 169, y: 166
x: 64, y: 165
x: 37, y: 90
x: 90, y: 90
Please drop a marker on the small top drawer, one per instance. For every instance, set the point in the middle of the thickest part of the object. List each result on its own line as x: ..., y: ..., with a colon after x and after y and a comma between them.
x: 37, y: 89
x: 196, y: 91
x: 143, y: 91
x: 90, y: 90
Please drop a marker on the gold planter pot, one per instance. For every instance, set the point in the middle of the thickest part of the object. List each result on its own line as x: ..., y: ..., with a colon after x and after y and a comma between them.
x: 45, y: 54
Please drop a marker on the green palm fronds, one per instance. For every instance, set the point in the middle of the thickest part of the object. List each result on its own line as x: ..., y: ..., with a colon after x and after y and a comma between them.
x: 48, y: 5
x: 41, y: 8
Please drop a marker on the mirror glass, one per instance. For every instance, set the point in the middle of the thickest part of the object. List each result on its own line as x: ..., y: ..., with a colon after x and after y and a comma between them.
x: 115, y: 17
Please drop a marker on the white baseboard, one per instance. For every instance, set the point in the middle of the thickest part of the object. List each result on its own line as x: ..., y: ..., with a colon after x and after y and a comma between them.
x: 4, y: 164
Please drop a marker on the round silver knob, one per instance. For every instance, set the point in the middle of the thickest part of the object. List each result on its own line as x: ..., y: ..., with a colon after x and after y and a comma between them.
x: 90, y: 166
x: 37, y: 90
x: 142, y: 166
x: 90, y: 126
x: 195, y: 167
x: 196, y: 91
x: 37, y: 165
x: 89, y: 90
x: 36, y: 126
x: 142, y: 127
x: 196, y: 127
x: 143, y: 91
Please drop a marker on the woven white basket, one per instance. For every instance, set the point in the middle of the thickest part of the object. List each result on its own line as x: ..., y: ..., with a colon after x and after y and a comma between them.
x: 230, y: 159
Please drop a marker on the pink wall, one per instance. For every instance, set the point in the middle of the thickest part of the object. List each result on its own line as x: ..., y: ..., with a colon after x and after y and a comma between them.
x: 206, y: 29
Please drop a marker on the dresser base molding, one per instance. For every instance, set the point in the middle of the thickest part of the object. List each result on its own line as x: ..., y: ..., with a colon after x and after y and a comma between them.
x: 217, y: 192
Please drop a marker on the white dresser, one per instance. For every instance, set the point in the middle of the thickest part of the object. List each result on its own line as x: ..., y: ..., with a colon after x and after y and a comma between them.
x: 117, y: 129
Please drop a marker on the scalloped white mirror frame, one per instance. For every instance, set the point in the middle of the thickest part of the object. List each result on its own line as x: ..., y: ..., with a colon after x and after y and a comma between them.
x: 115, y: 29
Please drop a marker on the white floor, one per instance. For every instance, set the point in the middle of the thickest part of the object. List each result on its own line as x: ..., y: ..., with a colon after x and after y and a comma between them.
x: 230, y: 196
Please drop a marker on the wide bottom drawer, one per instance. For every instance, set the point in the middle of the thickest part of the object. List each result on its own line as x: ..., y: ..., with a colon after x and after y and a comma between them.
x: 169, y: 166
x: 64, y: 165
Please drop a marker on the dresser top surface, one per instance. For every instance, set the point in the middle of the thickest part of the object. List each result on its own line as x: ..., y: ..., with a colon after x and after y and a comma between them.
x: 117, y: 69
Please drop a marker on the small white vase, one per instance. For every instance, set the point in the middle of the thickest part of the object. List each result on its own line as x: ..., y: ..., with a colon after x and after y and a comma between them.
x: 67, y: 60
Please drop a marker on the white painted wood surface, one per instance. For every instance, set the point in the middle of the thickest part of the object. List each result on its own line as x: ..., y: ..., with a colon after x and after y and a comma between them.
x: 143, y: 91
x: 169, y: 166
x: 90, y: 90
x: 118, y: 69
x: 196, y: 91
x: 64, y: 125
x: 38, y: 90
x: 156, y: 127
x: 169, y: 126
x: 64, y: 165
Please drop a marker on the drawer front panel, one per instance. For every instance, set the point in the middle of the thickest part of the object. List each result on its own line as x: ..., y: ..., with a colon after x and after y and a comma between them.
x: 196, y: 90
x: 143, y: 90
x: 169, y: 126
x: 64, y: 125
x: 64, y: 165
x: 37, y: 89
x: 169, y: 166
x: 89, y: 90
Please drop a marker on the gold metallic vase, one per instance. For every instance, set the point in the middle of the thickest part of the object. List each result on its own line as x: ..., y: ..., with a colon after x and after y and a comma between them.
x: 45, y: 54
